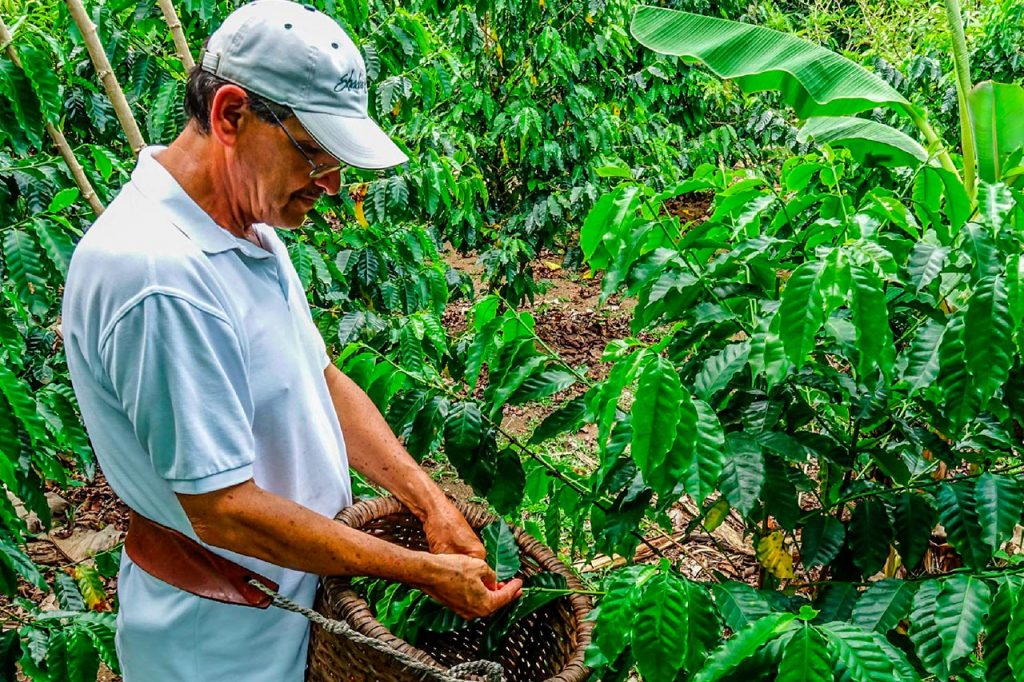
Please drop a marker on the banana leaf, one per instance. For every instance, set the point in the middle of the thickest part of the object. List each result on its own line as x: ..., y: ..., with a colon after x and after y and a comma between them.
x: 997, y: 114
x: 870, y: 142
x: 812, y: 80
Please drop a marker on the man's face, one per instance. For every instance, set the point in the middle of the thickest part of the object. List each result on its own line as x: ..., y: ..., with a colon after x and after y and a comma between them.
x: 274, y: 174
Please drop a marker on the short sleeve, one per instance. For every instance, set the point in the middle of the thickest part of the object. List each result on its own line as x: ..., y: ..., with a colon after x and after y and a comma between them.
x: 316, y: 342
x: 179, y: 372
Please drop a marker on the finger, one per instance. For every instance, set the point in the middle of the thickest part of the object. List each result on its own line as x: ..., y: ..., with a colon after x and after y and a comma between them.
x: 512, y: 590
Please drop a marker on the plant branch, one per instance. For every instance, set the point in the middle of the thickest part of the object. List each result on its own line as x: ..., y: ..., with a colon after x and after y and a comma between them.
x: 961, y: 59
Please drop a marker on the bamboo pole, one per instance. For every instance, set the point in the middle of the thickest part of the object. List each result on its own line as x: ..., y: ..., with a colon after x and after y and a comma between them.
x: 77, y: 172
x: 106, y: 75
x: 180, y: 44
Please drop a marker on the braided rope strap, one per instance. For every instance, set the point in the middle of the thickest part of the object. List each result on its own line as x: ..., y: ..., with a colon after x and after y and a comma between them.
x: 463, y: 672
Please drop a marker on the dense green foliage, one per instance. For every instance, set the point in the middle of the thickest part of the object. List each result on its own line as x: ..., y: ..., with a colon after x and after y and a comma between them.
x: 835, y: 353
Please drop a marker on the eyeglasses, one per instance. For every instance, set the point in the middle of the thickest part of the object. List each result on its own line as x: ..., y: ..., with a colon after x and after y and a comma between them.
x: 316, y: 170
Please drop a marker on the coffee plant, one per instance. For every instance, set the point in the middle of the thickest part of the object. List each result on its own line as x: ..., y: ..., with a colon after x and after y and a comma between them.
x: 833, y: 356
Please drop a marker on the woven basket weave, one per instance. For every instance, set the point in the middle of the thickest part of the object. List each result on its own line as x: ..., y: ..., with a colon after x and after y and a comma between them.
x: 546, y: 646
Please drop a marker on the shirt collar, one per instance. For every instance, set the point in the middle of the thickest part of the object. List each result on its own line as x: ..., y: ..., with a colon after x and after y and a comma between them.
x: 155, y: 183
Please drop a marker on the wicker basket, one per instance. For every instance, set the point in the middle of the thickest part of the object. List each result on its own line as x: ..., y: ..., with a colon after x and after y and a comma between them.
x: 547, y: 645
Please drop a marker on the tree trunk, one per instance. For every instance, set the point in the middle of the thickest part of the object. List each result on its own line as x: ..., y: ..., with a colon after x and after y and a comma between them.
x: 106, y: 75
x: 84, y: 186
x: 180, y: 45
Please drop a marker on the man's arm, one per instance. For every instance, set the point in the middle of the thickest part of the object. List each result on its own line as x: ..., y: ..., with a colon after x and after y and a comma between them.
x: 249, y: 520
x: 374, y: 451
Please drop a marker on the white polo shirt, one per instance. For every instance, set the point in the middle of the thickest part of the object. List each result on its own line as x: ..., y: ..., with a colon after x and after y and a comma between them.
x: 197, y: 366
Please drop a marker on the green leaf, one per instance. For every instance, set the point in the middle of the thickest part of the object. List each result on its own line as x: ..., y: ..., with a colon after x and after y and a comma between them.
x: 961, y: 396
x: 502, y: 549
x: 768, y: 354
x: 56, y: 243
x: 959, y: 516
x: 805, y: 658
x: 569, y: 417
x: 702, y: 467
x: 540, y: 386
x: 811, y: 79
x: 661, y: 628
x: 24, y: 267
x: 12, y: 555
x: 303, y: 262
x: 884, y: 604
x: 835, y: 601
x: 870, y: 535
x: 1000, y: 504
x: 719, y: 369
x: 18, y: 91
x: 871, y: 320
x: 63, y: 199
x: 506, y: 493
x: 1015, y: 633
x: 68, y: 596
x: 616, y: 611
x: 655, y: 413
x: 926, y: 262
x: 922, y: 366
x: 742, y: 645
x: 743, y: 473
x: 469, y: 447
x: 740, y: 604
x: 410, y: 350
x: 605, y: 222
x: 998, y: 127
x: 960, y: 613
x: 39, y: 67
x: 19, y: 397
x: 988, y: 336
x: 822, y: 538
x: 10, y: 651
x: 857, y: 651
x: 997, y: 653
x: 703, y: 630
x: 913, y: 518
x: 802, y: 311
x: 870, y: 142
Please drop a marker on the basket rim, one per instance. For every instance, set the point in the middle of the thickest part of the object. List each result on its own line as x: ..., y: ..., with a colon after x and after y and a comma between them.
x: 358, y: 614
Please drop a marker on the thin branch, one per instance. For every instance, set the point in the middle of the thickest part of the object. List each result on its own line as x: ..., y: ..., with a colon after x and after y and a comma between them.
x: 174, y: 24
x: 106, y: 75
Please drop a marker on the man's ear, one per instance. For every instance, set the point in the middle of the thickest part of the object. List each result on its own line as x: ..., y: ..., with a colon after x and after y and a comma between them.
x: 228, y: 111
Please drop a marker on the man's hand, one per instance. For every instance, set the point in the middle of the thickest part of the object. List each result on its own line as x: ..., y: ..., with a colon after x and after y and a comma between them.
x: 468, y: 586
x: 449, y: 533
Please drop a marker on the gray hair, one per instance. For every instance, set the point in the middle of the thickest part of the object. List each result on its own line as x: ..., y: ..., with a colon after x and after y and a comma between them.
x: 203, y: 85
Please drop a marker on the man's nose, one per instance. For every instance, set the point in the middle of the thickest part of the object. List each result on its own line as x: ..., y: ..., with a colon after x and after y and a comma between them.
x: 330, y: 183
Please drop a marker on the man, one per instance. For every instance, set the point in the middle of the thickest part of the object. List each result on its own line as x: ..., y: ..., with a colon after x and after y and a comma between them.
x: 206, y: 389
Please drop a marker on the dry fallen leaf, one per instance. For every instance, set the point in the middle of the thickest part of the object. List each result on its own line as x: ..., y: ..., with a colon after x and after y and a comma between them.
x: 84, y: 543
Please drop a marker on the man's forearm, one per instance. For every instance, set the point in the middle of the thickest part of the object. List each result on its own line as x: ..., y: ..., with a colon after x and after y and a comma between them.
x: 373, y: 449
x: 249, y: 520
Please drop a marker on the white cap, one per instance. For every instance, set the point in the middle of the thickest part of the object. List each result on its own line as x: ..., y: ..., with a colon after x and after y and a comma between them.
x: 298, y: 56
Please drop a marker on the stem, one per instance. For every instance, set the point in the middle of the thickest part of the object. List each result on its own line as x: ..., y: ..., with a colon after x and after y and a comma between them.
x: 961, y: 58
x: 59, y: 141
x: 180, y: 44
x: 595, y: 593
x: 106, y: 75
x: 933, y: 139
